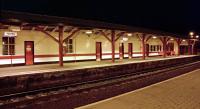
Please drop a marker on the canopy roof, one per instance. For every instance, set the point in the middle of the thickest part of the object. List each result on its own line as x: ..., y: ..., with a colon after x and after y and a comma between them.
x: 21, y: 18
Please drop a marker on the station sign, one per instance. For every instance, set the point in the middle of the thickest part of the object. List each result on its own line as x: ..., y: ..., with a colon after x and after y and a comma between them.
x: 10, y: 34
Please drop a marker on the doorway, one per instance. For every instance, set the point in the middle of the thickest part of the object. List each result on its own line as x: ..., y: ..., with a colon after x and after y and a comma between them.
x: 130, y: 50
x: 183, y: 49
x: 29, y: 52
x: 147, y: 50
x: 170, y: 49
x: 121, y: 50
x: 98, y: 51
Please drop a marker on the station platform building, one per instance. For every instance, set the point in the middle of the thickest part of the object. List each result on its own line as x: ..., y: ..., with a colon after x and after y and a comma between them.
x: 28, y: 39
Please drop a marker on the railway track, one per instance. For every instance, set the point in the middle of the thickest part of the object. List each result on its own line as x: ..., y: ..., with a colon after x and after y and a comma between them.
x: 17, y: 99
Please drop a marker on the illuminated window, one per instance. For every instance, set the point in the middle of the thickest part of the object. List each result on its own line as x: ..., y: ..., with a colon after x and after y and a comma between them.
x: 155, y: 48
x: 8, y: 45
x: 158, y: 47
x: 69, y: 46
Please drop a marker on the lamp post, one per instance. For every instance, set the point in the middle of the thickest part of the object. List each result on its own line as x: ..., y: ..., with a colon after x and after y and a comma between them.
x: 194, y: 37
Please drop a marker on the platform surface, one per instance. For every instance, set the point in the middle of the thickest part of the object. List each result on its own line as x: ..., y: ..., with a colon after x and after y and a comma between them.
x: 21, y: 70
x: 182, y: 92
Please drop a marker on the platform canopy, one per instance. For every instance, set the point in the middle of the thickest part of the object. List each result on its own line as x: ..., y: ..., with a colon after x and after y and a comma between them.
x: 31, y: 20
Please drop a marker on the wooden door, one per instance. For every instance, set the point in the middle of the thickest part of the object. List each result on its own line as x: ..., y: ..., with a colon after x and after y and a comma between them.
x: 121, y: 50
x: 171, y: 48
x: 130, y: 50
x: 98, y: 51
x: 147, y: 49
x: 29, y: 52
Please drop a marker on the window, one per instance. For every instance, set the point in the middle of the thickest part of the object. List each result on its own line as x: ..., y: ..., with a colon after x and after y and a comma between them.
x: 155, y: 48
x: 8, y: 45
x: 151, y: 48
x: 158, y: 47
x: 69, y: 46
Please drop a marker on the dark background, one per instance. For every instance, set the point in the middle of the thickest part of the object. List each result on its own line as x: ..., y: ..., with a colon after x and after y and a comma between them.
x: 171, y: 16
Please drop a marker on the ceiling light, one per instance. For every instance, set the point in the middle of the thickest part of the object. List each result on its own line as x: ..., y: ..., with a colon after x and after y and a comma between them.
x: 88, y: 32
x: 154, y: 37
x: 15, y: 28
x: 14, y: 20
x: 125, y: 38
x: 129, y: 34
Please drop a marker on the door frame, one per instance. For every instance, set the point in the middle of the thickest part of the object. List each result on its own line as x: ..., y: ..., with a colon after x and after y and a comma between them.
x: 32, y: 51
x: 183, y: 49
x: 170, y: 48
x: 121, y: 51
x: 147, y: 49
x: 99, y: 59
x: 130, y: 50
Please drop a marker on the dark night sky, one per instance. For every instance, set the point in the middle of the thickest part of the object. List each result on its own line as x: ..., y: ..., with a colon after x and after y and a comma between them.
x: 171, y: 16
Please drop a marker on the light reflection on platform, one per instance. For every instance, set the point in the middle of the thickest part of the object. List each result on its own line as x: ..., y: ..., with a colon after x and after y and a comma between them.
x: 21, y: 70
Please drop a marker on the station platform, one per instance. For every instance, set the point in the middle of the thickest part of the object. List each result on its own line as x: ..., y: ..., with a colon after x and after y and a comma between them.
x: 181, y: 92
x: 33, y: 69
x: 37, y: 77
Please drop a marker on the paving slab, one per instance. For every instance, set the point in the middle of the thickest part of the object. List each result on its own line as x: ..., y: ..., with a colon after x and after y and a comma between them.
x: 182, y: 92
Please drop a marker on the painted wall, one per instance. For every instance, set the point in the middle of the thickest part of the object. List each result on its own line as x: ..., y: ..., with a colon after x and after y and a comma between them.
x: 46, y: 49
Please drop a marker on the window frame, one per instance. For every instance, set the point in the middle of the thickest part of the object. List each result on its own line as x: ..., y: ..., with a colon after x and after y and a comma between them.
x: 69, y: 46
x: 155, y: 48
x: 10, y: 49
